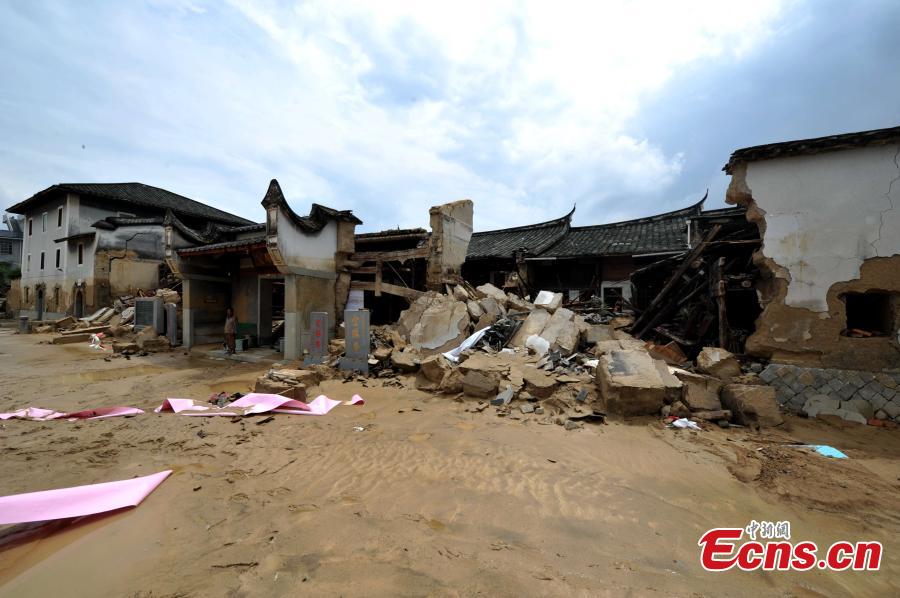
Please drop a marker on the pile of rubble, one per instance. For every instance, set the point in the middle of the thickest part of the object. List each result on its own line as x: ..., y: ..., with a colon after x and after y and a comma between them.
x: 116, y: 321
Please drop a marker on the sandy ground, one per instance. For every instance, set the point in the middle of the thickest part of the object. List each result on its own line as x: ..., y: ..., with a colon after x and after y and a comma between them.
x: 429, y: 499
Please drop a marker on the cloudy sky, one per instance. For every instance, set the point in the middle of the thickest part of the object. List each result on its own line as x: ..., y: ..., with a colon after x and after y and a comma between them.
x: 623, y: 108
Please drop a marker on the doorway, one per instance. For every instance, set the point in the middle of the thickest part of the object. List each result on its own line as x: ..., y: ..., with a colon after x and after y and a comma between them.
x: 79, y: 304
x: 39, y: 303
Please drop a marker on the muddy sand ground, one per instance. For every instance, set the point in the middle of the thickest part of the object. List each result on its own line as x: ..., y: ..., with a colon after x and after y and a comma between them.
x: 429, y: 499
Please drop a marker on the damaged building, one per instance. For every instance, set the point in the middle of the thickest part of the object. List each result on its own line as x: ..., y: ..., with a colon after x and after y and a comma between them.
x: 85, y: 244
x: 595, y: 260
x: 827, y: 212
x: 277, y: 271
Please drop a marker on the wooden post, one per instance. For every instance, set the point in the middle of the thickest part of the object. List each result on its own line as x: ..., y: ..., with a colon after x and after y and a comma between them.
x: 720, y: 300
x: 378, y: 278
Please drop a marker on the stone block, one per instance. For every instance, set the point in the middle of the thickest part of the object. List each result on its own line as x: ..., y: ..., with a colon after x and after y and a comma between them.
x: 752, y: 404
x: 598, y: 332
x: 405, y: 361
x: 432, y: 371
x: 846, y: 392
x: 633, y: 383
x: 860, y: 406
x: 719, y: 363
x: 489, y: 290
x: 533, y: 324
x: 814, y: 404
x: 434, y: 323
x: 892, y: 408
x: 477, y: 384
x: 562, y: 332
x: 537, y: 383
x: 699, y: 393
x: 548, y: 300
x: 770, y: 373
x: 475, y: 310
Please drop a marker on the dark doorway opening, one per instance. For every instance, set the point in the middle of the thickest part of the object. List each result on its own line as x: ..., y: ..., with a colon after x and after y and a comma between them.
x: 79, y: 304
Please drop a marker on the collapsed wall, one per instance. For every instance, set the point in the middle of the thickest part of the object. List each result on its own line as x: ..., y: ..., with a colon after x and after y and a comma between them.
x: 830, y: 257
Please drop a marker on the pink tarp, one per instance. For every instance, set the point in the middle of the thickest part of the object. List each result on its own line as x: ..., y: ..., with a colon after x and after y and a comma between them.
x: 256, y: 403
x: 78, y: 501
x: 38, y: 414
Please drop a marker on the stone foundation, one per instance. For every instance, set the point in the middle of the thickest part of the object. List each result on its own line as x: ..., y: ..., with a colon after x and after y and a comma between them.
x: 795, y: 384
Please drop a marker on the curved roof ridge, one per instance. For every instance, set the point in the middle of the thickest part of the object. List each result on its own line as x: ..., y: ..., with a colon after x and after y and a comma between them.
x: 555, y: 222
x: 691, y: 210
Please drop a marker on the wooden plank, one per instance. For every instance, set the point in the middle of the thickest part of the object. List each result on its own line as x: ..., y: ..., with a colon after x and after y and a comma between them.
x: 720, y: 300
x: 388, y: 256
x: 390, y: 289
x: 363, y: 270
x: 641, y: 326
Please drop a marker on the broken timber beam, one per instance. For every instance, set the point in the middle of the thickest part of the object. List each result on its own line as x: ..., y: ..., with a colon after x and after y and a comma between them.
x: 641, y: 325
x: 399, y: 255
x: 390, y: 289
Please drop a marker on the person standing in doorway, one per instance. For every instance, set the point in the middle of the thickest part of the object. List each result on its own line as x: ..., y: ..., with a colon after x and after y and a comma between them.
x: 230, y: 330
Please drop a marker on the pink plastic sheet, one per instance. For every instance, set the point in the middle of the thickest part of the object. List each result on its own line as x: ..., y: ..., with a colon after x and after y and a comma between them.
x: 38, y: 414
x: 255, y: 403
x: 78, y: 501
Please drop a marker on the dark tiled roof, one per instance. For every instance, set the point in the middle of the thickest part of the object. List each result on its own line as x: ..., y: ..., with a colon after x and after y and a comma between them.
x: 654, y: 234
x: 140, y: 195
x: 319, y: 215
x: 227, y: 245
x: 10, y: 234
x: 392, y: 232
x: 531, y: 239
x: 813, y: 146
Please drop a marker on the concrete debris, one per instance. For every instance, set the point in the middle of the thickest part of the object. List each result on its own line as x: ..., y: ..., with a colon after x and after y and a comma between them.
x: 460, y: 294
x: 633, y: 383
x: 475, y: 310
x: 478, y: 384
x: 719, y: 363
x: 489, y: 290
x: 537, y: 383
x: 533, y: 324
x: 548, y: 300
x: 434, y: 323
x: 405, y: 360
x: 700, y: 393
x: 432, y: 372
x: 752, y: 405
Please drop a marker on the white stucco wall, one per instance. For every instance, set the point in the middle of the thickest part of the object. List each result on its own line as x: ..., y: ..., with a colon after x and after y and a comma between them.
x: 303, y: 250
x: 825, y: 214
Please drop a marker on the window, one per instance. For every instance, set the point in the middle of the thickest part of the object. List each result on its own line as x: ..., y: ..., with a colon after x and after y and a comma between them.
x: 57, y: 257
x: 869, y: 314
x: 28, y: 263
x: 30, y: 226
x: 59, y: 217
x: 80, y: 253
x: 56, y: 296
x: 44, y: 222
x: 27, y: 293
x: 5, y: 247
x: 42, y: 260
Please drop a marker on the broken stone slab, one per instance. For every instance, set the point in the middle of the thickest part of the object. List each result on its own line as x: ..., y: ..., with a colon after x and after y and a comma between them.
x: 597, y: 333
x: 533, y: 324
x: 816, y: 403
x: 154, y: 345
x: 64, y: 323
x: 382, y: 353
x: 443, y: 326
x: 489, y: 290
x: 844, y: 414
x: 432, y: 371
x: 561, y: 331
x: 752, y: 404
x: 452, y: 383
x: 526, y: 408
x: 699, y: 393
x: 460, y: 294
x: 294, y: 377
x: 475, y: 310
x: 861, y: 406
x: 492, y: 307
x: 629, y: 344
x: 477, y: 384
x: 537, y: 383
x: 90, y: 330
x: 548, y: 300
x: 633, y: 383
x: 71, y: 338
x: 516, y: 303
x: 405, y: 361
x: 719, y: 363
x: 504, y: 397
x: 266, y: 385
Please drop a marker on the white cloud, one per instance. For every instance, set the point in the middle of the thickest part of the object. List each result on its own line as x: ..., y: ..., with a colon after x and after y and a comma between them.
x: 385, y: 108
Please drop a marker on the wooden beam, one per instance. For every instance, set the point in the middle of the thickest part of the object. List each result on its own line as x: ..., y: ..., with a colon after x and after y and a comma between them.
x: 363, y: 270
x: 390, y: 289
x: 641, y: 326
x: 399, y: 255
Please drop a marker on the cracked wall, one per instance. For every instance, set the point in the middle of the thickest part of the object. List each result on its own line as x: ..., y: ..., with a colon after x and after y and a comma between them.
x: 829, y: 226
